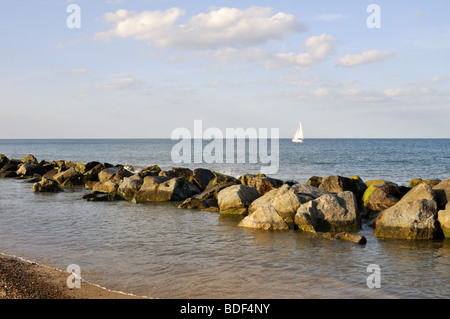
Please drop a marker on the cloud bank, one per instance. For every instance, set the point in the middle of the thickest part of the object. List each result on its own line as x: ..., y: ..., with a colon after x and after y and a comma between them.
x: 219, y: 28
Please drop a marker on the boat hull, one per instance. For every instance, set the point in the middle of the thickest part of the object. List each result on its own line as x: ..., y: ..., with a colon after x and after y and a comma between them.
x: 297, y: 140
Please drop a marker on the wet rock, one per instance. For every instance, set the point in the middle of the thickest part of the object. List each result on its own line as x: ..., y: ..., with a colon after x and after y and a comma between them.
x: 108, y: 173
x: 409, y: 219
x: 159, y: 188
x: 261, y: 184
x: 28, y: 170
x: 374, y: 201
x: 265, y: 217
x: 201, y: 178
x: 109, y: 186
x: 330, y: 213
x: 84, y: 168
x: 315, y: 181
x: 8, y: 170
x: 236, y: 199
x: 444, y: 221
x: 29, y: 159
x: 212, y: 191
x: 442, y: 194
x: 47, y: 185
x: 421, y: 191
x: 122, y: 173
x: 101, y: 197
x: 287, y: 199
x: 209, y: 204
x: 357, y: 239
x: 338, y: 184
x: 130, y: 185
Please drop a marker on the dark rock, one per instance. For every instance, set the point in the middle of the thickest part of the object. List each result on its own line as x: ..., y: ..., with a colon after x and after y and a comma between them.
x: 314, y: 181
x: 47, y: 185
x: 261, y: 184
x: 338, y: 184
x: 209, y: 204
x: 357, y: 239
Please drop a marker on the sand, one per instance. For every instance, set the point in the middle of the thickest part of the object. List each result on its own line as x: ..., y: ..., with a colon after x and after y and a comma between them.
x: 20, y: 279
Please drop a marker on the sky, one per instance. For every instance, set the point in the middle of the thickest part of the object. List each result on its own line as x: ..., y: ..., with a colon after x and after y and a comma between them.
x: 141, y: 69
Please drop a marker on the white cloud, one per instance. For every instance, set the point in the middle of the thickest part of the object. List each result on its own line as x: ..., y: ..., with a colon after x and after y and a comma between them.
x: 219, y: 28
x: 316, y: 49
x: 351, y: 60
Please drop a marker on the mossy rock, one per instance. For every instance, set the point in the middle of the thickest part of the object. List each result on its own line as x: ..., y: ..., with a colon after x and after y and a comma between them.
x: 356, y: 178
x: 69, y: 164
x: 29, y: 159
x: 367, y: 194
x: 416, y: 181
x: 378, y: 182
x: 152, y: 168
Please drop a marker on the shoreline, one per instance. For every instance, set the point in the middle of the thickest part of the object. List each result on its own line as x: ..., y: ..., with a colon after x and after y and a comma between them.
x: 24, y: 279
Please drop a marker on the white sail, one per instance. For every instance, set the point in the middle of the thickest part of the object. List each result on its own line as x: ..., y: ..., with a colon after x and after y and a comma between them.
x: 298, y: 137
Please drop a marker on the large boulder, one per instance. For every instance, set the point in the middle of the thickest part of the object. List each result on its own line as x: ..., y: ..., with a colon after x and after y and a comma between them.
x: 3, y: 160
x: 374, y: 201
x: 442, y: 192
x: 109, y: 186
x: 287, y: 199
x: 46, y: 185
x: 409, y: 220
x: 262, y: 184
x: 84, y: 168
x: 444, y: 221
x: 201, y: 178
x: 236, y: 199
x: 159, y: 188
x: 314, y: 181
x: 222, y: 179
x: 338, y: 184
x: 70, y: 176
x: 108, y: 173
x: 130, y: 185
x: 8, y: 170
x: 265, y: 217
x: 122, y: 173
x: 330, y: 213
x: 28, y: 169
x: 421, y: 191
x: 29, y: 159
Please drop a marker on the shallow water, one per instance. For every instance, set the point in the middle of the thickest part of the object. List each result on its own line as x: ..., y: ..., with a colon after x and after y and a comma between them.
x: 161, y: 251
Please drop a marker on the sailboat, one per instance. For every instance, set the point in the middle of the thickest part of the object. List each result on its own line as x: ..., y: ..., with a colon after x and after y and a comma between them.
x: 298, y: 137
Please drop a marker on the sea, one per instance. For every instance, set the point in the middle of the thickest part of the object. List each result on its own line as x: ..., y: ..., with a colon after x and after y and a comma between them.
x: 160, y: 251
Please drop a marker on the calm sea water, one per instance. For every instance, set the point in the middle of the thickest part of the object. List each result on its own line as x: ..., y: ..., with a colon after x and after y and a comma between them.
x: 161, y: 251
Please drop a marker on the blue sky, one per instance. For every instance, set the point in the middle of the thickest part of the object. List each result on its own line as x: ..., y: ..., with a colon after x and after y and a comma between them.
x: 140, y: 69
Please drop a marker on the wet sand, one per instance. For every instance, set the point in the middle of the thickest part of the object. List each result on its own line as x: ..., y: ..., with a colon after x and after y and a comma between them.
x: 20, y: 279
